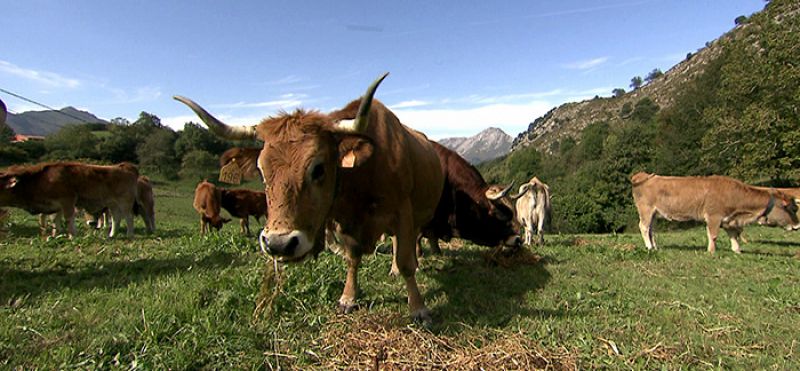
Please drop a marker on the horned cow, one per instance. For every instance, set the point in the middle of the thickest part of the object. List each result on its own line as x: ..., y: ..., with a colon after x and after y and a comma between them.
x: 358, y: 168
x: 469, y: 207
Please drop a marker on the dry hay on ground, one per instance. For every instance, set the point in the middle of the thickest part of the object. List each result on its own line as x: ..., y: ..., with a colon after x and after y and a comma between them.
x: 380, y: 341
x: 507, y: 259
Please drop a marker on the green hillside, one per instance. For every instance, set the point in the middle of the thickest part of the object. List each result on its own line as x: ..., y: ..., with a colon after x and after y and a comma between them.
x: 736, y: 114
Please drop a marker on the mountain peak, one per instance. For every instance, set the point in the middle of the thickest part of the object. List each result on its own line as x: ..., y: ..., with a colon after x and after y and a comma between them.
x: 486, y: 145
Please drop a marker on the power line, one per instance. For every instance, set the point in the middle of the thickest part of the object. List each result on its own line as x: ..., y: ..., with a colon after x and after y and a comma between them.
x: 44, y: 105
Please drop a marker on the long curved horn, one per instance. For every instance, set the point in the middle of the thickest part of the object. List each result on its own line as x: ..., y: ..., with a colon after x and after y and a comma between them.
x: 362, y: 119
x: 216, y: 126
x: 522, y: 190
x: 493, y: 196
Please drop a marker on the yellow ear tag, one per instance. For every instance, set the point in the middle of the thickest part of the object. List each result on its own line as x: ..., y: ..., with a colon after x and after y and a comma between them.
x: 349, y: 160
x: 231, y: 173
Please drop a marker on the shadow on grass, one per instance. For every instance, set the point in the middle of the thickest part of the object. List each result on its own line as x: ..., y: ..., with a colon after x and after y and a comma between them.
x: 16, y: 283
x: 779, y: 243
x: 480, y: 293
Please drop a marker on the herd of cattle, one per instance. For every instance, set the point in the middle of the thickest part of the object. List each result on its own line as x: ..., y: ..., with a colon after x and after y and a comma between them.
x: 357, y: 173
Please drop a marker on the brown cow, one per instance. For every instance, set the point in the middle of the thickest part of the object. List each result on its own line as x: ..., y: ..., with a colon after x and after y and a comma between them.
x: 718, y: 200
x: 246, y: 158
x: 144, y: 207
x: 242, y: 203
x: 60, y: 187
x: 207, y: 200
x: 368, y: 176
x: 469, y: 208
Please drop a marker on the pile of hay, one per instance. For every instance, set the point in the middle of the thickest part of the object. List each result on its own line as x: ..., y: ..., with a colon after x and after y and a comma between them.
x: 510, y: 258
x: 380, y: 341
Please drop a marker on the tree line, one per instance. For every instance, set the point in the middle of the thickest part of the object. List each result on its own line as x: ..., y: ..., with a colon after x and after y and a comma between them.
x: 158, y: 150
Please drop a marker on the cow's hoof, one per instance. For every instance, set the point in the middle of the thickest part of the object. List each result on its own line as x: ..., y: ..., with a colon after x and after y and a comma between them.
x: 423, y: 317
x: 347, y: 306
x: 394, y: 272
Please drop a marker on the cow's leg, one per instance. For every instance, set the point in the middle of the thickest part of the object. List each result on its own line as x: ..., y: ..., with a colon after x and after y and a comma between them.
x: 528, y: 232
x: 129, y: 222
x: 202, y: 226
x: 246, y: 225
x: 347, y: 302
x: 646, y: 227
x: 406, y: 261
x: 734, y: 234
x: 69, y: 216
x: 434, y: 242
x: 116, y: 219
x: 712, y: 229
x: 395, y: 271
x: 540, y: 232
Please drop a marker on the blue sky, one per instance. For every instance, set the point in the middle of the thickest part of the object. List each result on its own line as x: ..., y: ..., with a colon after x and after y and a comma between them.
x: 456, y: 67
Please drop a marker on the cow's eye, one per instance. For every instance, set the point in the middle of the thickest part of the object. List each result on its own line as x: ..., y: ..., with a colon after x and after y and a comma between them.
x: 318, y: 172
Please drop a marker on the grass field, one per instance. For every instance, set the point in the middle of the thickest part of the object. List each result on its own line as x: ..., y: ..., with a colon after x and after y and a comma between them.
x: 177, y: 300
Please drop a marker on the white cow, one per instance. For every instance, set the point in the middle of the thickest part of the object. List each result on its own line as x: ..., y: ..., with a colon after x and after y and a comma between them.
x: 533, y: 209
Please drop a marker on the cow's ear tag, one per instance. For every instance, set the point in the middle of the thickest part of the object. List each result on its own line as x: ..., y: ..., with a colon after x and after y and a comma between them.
x: 354, y: 150
x: 349, y: 160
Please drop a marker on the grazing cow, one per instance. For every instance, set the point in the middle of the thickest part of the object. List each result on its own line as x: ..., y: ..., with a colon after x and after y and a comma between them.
x: 469, y: 208
x: 144, y: 207
x: 719, y: 201
x: 242, y: 203
x: 207, y: 200
x: 246, y: 158
x: 357, y: 168
x: 60, y: 187
x: 533, y: 209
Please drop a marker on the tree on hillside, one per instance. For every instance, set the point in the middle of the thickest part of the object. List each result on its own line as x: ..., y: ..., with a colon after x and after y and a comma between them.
x: 654, y: 74
x: 198, y: 164
x: 6, y: 133
x: 636, y: 82
x: 618, y: 92
x: 754, y: 124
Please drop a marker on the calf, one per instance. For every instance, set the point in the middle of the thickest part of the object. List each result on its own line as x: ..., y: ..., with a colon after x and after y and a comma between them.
x: 242, y: 203
x: 143, y: 207
x: 60, y: 187
x: 207, y: 199
x: 720, y: 201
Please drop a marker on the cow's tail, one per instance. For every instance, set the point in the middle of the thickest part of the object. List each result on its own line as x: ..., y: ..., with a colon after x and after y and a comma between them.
x: 640, y: 177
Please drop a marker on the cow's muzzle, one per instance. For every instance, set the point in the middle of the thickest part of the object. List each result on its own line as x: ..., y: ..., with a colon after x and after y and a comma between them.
x: 285, y: 246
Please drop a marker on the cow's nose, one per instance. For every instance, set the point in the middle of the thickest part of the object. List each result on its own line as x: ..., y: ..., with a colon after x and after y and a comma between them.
x: 279, y: 244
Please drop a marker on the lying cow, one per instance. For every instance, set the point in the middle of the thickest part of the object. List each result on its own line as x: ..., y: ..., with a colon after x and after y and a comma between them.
x: 60, y: 187
x: 533, y: 209
x: 469, y: 208
x: 242, y: 203
x: 245, y: 158
x: 720, y: 201
x: 358, y: 167
x: 207, y: 201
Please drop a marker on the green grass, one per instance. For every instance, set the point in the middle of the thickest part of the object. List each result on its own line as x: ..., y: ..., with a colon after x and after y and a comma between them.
x: 178, y: 300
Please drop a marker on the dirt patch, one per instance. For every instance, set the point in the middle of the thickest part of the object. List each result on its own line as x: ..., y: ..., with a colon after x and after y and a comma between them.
x: 380, y: 341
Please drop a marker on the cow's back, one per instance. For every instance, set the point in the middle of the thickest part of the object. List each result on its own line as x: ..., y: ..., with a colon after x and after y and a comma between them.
x: 207, y: 199
x: 696, y: 198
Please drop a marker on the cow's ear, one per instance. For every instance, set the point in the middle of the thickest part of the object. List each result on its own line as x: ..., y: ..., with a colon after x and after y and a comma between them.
x: 354, y: 150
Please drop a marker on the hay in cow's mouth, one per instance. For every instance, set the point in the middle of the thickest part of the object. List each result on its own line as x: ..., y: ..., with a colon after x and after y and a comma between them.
x: 271, y: 282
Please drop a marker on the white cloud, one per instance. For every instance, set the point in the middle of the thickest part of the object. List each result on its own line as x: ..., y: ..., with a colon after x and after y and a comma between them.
x: 409, y: 104
x: 587, y: 64
x: 141, y: 94
x: 283, y: 104
x: 450, y: 122
x: 43, y: 77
